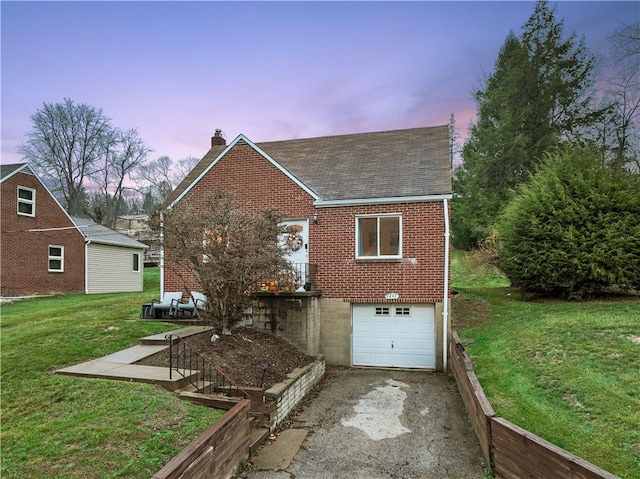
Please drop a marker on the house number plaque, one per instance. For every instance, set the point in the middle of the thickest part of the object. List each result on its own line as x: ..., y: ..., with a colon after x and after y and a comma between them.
x: 392, y: 296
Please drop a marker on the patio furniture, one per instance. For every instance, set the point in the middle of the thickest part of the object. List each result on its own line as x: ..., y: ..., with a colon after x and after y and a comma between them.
x: 180, y: 309
x: 159, y: 309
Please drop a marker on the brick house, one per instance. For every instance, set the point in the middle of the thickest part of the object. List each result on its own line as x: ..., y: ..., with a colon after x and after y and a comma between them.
x: 45, y: 251
x: 371, y: 214
x: 42, y: 250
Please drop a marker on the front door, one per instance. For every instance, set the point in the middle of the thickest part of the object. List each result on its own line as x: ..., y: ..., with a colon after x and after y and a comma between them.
x: 296, y: 236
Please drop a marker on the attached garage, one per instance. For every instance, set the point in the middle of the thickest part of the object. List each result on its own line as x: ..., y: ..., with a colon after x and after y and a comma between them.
x: 394, y: 335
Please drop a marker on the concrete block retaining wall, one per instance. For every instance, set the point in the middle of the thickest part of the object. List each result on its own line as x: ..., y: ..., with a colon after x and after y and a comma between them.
x: 289, y: 393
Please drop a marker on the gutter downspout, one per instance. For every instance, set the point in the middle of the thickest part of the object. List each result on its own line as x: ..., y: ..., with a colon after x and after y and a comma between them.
x: 86, y: 266
x: 445, y: 300
x: 161, y: 256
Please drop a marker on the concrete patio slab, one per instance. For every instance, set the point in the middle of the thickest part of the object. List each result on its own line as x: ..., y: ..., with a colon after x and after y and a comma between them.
x: 280, y: 451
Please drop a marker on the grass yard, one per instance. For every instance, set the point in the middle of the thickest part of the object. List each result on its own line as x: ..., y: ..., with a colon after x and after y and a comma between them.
x: 567, y: 371
x: 67, y: 427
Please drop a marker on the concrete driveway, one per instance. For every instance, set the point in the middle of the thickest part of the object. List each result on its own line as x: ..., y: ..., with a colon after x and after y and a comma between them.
x: 370, y: 424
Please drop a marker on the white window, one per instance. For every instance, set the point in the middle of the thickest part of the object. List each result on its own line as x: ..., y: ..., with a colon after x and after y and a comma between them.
x: 379, y: 236
x: 26, y: 201
x: 56, y: 258
x: 136, y: 262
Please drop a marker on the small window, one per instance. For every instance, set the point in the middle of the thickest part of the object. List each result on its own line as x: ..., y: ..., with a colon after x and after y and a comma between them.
x: 382, y: 311
x: 403, y: 311
x: 26, y: 201
x: 379, y: 236
x: 136, y: 262
x: 56, y: 258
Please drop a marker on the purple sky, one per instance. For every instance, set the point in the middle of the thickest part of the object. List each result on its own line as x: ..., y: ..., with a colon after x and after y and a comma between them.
x: 176, y: 71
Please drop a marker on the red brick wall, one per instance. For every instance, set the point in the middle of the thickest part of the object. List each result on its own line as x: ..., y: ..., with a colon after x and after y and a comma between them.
x: 418, y: 277
x: 24, y: 254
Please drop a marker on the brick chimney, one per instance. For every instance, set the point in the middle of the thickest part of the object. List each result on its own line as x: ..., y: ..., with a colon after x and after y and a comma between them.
x: 217, y: 138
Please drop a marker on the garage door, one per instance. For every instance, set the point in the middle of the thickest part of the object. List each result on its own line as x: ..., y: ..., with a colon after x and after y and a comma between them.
x: 394, y: 335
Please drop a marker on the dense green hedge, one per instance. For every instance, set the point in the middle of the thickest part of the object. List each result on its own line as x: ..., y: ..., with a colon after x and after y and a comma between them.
x: 574, y: 229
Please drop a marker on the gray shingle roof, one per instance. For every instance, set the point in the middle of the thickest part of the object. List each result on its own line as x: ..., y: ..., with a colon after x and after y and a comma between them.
x: 8, y: 170
x: 398, y: 163
x: 101, y: 234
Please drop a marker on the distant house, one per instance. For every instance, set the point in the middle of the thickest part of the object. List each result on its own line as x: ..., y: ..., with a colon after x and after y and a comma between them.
x: 370, y: 213
x: 114, y: 262
x: 43, y: 250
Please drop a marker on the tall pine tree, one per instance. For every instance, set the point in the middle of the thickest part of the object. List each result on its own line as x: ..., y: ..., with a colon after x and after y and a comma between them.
x: 535, y: 99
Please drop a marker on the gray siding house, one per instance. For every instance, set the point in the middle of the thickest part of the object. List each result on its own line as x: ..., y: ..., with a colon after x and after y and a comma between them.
x: 114, y: 262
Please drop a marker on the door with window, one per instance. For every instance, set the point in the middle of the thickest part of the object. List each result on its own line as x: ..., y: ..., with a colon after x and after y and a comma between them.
x: 296, y: 237
x: 393, y: 335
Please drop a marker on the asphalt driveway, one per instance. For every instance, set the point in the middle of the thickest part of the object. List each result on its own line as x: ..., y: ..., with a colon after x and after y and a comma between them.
x: 371, y: 424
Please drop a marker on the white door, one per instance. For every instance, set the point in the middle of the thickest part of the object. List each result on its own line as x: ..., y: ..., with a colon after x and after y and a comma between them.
x: 393, y: 335
x: 297, y: 236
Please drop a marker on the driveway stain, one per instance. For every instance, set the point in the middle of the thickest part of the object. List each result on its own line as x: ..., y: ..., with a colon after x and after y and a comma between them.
x: 378, y: 412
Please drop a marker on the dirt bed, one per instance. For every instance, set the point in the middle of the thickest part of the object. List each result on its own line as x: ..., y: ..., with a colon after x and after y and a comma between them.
x: 242, y: 354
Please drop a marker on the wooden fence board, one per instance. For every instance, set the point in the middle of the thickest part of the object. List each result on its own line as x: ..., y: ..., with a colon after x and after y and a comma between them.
x: 476, y: 403
x: 202, y: 454
x: 520, y: 454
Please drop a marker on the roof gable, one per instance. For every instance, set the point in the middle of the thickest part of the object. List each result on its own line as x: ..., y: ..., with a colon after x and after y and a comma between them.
x: 207, y: 163
x: 7, y: 171
x: 411, y: 163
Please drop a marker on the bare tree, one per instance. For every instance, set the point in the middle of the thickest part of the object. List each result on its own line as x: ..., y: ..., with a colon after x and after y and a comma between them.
x: 224, y: 252
x: 160, y: 176
x: 67, y: 142
x: 125, y: 152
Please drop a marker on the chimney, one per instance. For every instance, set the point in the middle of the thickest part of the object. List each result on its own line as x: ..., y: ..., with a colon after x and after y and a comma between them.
x: 217, y: 138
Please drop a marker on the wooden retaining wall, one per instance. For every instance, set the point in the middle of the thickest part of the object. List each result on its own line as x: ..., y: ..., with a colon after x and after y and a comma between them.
x: 217, y: 452
x: 512, y: 452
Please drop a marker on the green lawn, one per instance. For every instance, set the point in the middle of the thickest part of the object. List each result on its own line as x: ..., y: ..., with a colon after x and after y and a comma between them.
x: 67, y: 427
x: 566, y: 371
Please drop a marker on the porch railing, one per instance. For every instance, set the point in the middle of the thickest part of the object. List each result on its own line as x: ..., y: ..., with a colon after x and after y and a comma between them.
x: 185, y: 360
x: 302, y: 276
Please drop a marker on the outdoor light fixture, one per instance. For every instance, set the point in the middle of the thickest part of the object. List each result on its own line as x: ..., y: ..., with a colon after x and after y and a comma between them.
x: 315, y: 218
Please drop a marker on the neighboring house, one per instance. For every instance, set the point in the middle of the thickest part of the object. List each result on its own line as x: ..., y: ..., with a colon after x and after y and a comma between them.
x: 115, y: 263
x: 132, y: 225
x: 371, y: 211
x: 44, y: 251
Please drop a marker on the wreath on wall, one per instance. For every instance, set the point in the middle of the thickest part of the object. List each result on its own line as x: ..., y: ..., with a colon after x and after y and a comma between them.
x: 294, y: 241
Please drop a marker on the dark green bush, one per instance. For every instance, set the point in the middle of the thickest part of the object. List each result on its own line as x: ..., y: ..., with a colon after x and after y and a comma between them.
x: 574, y: 229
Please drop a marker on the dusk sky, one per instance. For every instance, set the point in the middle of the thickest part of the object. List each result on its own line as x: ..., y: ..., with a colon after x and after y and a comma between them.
x: 176, y: 71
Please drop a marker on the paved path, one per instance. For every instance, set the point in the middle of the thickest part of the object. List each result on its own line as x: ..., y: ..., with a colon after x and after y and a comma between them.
x: 374, y: 424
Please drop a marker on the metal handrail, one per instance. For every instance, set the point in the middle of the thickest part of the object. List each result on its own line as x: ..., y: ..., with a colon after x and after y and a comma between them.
x: 184, y: 359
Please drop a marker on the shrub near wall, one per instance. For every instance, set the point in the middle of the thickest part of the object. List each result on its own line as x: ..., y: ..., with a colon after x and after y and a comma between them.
x: 512, y: 452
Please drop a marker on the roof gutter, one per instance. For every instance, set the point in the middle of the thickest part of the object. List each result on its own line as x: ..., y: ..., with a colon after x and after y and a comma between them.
x: 380, y: 201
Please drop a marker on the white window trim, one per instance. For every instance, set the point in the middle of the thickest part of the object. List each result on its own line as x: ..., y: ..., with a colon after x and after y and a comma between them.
x: 138, y: 263
x: 61, y: 258
x: 31, y: 202
x: 378, y: 216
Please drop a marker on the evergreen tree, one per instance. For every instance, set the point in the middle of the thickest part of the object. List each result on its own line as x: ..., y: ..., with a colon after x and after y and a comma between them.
x: 535, y: 99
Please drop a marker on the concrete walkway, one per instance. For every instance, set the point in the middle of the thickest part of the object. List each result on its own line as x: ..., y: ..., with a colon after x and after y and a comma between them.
x: 120, y: 365
x: 375, y: 424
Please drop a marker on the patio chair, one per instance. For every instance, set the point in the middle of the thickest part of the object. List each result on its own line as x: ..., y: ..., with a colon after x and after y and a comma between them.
x: 158, y: 309
x: 180, y: 309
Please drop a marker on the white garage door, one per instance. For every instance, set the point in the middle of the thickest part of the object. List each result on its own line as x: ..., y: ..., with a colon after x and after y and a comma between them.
x: 394, y: 335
